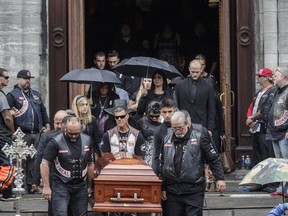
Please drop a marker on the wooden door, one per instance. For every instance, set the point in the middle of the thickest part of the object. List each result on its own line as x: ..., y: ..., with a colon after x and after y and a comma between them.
x: 58, y: 55
x: 66, y: 50
x: 236, y: 70
x: 225, y: 66
x: 245, y: 76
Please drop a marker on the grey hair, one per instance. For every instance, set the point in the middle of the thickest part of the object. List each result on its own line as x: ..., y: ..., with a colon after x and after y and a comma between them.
x: 179, y: 115
x: 188, y: 117
x: 283, y: 71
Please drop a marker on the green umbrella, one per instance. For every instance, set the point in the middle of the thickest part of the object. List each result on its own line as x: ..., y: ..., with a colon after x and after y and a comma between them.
x: 268, y: 171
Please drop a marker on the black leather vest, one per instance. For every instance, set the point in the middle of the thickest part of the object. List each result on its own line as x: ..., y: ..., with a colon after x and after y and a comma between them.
x: 68, y: 168
x: 192, y: 162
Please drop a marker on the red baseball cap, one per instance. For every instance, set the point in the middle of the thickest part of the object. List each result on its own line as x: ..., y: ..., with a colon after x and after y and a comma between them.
x: 265, y: 72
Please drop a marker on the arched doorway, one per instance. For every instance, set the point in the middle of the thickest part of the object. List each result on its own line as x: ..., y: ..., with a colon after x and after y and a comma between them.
x: 68, y: 50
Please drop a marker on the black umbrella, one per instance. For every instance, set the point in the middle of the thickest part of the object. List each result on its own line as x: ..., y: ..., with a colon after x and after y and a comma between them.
x: 145, y: 67
x: 88, y: 76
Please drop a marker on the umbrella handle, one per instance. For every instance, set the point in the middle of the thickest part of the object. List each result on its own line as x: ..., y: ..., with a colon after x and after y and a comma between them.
x: 283, y: 195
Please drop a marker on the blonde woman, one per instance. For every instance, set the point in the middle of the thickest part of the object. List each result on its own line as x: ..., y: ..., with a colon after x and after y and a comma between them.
x: 82, y: 110
x: 143, y: 89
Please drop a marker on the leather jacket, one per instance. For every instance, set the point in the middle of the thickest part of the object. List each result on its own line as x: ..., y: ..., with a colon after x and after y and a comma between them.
x: 196, y: 151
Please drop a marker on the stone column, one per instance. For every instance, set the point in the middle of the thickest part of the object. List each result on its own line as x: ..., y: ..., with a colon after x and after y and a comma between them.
x: 283, y: 32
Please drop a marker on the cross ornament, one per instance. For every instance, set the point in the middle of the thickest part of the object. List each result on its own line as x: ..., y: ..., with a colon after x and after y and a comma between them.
x: 19, y: 151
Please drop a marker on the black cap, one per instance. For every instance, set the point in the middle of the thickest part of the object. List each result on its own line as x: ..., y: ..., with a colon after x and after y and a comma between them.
x: 24, y: 74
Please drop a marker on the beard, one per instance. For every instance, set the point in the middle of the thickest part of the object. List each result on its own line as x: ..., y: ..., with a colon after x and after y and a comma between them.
x: 180, y: 135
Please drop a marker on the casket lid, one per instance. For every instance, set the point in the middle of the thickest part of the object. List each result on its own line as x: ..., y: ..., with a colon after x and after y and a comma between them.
x: 127, y: 169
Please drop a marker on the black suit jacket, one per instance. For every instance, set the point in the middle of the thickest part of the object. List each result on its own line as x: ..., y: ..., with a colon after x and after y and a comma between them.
x: 202, y: 107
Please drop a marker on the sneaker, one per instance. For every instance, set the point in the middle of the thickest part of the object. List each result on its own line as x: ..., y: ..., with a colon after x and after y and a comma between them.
x: 10, y: 197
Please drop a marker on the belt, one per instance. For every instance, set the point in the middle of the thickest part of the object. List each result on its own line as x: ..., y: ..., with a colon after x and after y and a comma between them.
x: 30, y: 131
x: 76, y: 180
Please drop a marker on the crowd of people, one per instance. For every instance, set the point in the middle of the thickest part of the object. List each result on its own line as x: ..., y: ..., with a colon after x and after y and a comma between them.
x: 268, y: 121
x: 176, y: 129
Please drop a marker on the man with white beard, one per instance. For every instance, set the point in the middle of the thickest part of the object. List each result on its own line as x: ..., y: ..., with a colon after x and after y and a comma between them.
x: 185, y: 150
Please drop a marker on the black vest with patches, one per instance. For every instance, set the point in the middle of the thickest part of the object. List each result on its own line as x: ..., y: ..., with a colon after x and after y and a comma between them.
x: 192, y: 168
x: 67, y: 167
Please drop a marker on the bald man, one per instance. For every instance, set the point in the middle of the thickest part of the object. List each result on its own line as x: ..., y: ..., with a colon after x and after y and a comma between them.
x: 196, y: 95
x: 71, y: 155
x: 41, y: 146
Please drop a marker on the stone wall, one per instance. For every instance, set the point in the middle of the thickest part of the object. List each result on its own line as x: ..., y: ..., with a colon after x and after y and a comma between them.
x: 271, y: 33
x: 23, y: 41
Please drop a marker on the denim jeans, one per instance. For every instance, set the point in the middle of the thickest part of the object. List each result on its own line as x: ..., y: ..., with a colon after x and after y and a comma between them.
x: 74, y: 195
x: 281, y: 151
x: 281, y: 148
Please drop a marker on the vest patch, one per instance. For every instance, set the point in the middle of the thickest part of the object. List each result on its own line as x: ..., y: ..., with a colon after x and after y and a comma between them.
x: 193, y: 141
x: 63, y: 151
x: 168, y: 145
x: 36, y: 97
x: 61, y: 170
x: 23, y: 108
x: 282, y: 120
x: 86, y: 148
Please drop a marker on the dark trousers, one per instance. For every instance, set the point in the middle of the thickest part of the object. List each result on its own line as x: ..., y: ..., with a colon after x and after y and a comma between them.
x: 185, y: 204
x: 28, y: 164
x: 73, y: 195
x: 262, y: 148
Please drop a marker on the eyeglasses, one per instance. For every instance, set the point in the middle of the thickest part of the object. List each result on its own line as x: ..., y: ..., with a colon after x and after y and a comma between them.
x: 277, y: 69
x: 120, y: 117
x: 6, y: 77
x: 178, y: 128
x: 154, y: 116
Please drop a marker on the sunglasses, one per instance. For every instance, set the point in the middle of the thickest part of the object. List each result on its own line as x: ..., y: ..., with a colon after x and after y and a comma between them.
x: 120, y: 117
x: 6, y: 77
x: 154, y: 116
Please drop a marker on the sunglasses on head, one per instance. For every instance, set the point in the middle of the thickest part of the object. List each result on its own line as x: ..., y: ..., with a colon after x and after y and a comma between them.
x: 6, y: 77
x: 120, y: 117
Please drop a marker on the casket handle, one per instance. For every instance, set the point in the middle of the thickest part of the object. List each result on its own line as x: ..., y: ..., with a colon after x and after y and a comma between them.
x: 135, y: 199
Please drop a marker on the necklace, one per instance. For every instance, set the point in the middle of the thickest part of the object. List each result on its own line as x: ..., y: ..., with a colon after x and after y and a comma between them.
x: 102, y: 106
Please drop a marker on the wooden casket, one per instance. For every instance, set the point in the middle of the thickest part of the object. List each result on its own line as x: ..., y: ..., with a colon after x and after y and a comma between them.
x: 127, y: 185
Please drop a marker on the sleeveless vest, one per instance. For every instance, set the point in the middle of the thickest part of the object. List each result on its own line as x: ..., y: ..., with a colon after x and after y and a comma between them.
x: 192, y: 165
x: 280, y: 120
x: 130, y: 143
x: 67, y: 167
x: 26, y: 104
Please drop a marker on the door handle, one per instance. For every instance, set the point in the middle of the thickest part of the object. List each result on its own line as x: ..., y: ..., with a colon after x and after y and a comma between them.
x: 232, y: 99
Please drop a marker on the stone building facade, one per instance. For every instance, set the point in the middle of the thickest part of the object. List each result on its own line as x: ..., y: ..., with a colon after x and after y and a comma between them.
x: 23, y: 41
x: 271, y: 33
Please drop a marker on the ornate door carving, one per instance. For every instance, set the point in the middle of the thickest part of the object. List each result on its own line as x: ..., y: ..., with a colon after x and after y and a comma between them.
x: 58, y: 49
x: 245, y: 69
